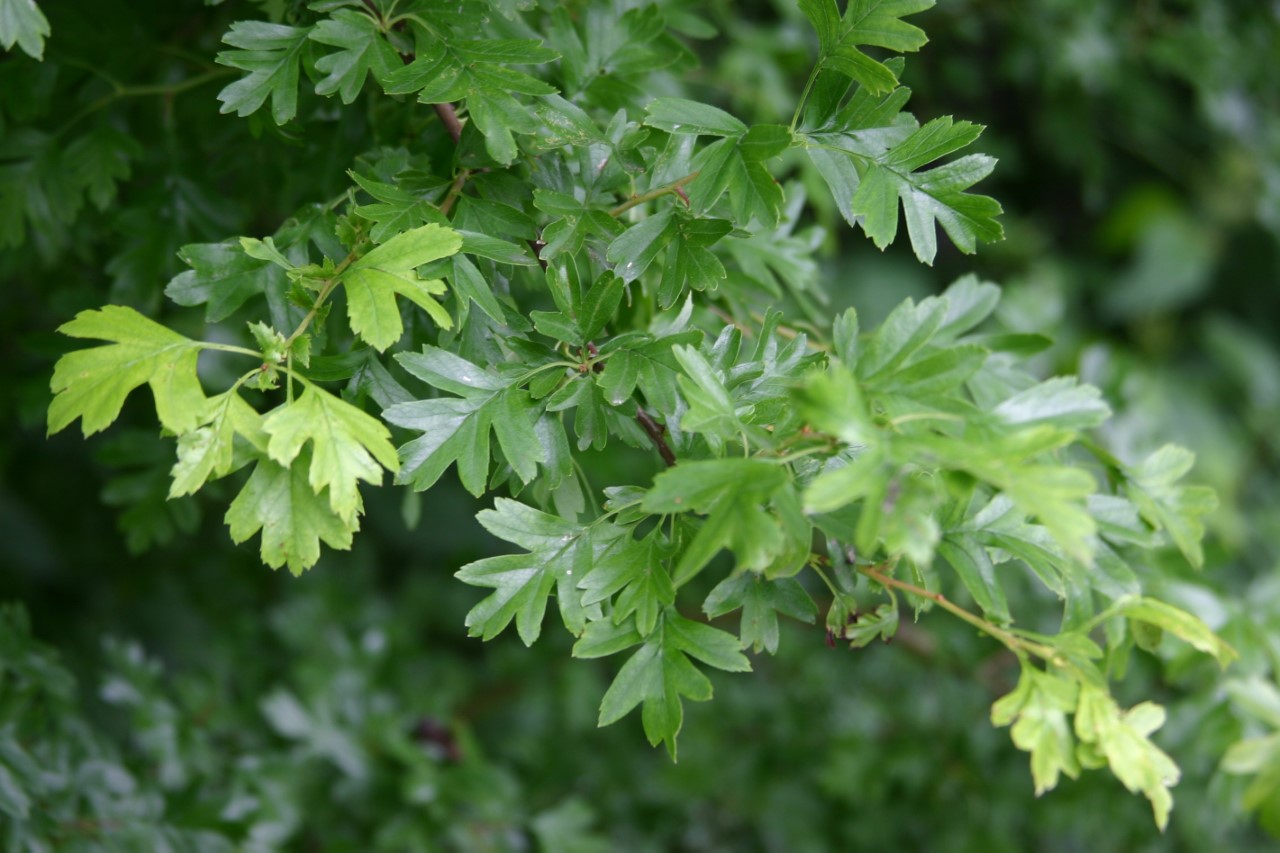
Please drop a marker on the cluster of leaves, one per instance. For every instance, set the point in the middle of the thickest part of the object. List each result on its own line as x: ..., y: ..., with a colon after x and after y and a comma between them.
x: 196, y: 772
x: 590, y: 251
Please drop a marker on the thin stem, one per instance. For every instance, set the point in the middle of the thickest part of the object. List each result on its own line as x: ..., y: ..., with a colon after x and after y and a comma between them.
x: 1015, y: 644
x: 455, y: 190
x: 800, y: 454
x: 668, y: 189
x: 835, y: 593
x: 804, y: 95
x: 231, y: 348
x: 924, y: 416
x: 564, y: 365
x: 327, y: 289
x: 168, y: 89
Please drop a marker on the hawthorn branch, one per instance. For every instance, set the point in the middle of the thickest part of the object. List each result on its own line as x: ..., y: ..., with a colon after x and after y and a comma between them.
x: 455, y: 190
x: 656, y: 433
x: 1018, y: 645
x: 449, y: 118
x: 676, y: 187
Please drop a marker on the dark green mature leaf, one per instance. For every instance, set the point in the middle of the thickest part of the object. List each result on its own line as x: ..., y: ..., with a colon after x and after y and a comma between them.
x: 271, y: 53
x: 936, y: 195
x: 876, y: 23
x: 22, y: 23
x: 477, y: 71
x: 560, y: 553
x: 457, y: 429
x: 636, y: 573
x: 733, y: 493
x: 364, y: 51
x: 397, y: 209
x: 222, y: 278
x: 660, y: 673
x: 760, y: 601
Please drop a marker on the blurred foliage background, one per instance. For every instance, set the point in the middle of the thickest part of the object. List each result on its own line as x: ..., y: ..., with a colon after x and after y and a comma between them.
x: 159, y: 687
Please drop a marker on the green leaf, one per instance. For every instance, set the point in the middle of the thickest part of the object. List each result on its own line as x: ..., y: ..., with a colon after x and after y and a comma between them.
x: 907, y: 330
x: 100, y: 160
x: 476, y: 70
x: 457, y: 430
x: 92, y: 384
x: 222, y: 278
x: 1123, y: 738
x: 634, y: 572
x: 271, y: 54
x: 876, y: 23
x: 691, y: 118
x: 364, y: 51
x: 1060, y: 401
x: 347, y: 446
x: 1175, y: 509
x: 637, y: 247
x: 560, y: 553
x: 972, y: 563
x: 397, y: 209
x: 660, y: 673
x: 293, y: 518
x: 1181, y: 624
x: 209, y: 450
x: 733, y: 493
x: 374, y: 281
x: 1038, y: 709
x: 865, y: 628
x: 761, y: 601
x: 22, y: 23
x: 936, y: 195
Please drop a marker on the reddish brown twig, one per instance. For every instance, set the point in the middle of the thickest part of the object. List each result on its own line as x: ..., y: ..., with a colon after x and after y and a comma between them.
x: 656, y: 432
x: 449, y: 118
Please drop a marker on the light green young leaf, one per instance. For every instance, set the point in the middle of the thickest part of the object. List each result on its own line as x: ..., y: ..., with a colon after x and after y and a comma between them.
x: 1181, y: 624
x: 346, y: 442
x: 1038, y: 709
x: 208, y: 450
x: 373, y: 282
x: 1123, y: 738
x: 271, y: 53
x: 293, y: 518
x: 92, y: 384
x: 22, y: 23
